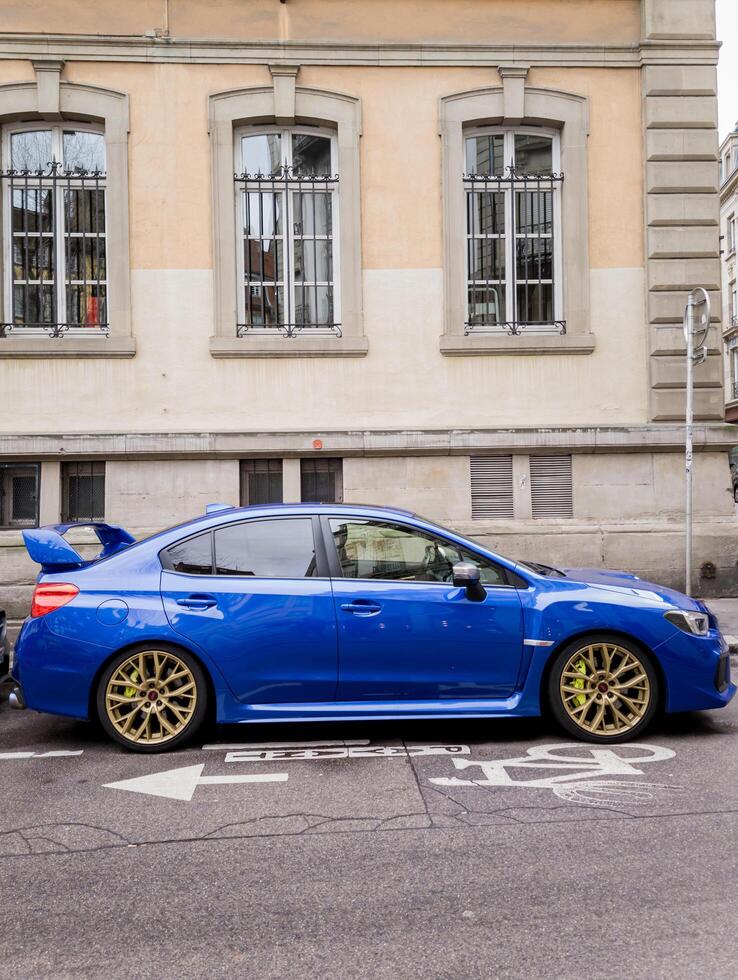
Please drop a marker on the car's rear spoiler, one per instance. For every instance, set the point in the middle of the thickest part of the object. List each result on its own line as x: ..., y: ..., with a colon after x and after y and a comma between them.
x: 47, y: 546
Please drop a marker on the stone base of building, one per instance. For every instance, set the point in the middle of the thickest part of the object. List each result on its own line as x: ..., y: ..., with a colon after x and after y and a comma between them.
x: 626, y: 507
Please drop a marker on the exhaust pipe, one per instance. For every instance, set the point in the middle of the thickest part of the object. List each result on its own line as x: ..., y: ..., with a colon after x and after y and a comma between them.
x: 16, y: 700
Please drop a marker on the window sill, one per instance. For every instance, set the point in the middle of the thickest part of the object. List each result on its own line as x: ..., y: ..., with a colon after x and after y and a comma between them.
x: 289, y: 346
x: 53, y: 347
x: 454, y: 345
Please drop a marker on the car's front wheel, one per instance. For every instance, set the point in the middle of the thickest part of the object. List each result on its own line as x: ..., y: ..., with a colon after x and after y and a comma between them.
x: 152, y: 698
x: 603, y: 689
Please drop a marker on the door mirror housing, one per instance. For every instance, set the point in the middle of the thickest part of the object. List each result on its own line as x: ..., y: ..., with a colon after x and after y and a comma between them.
x: 468, y: 576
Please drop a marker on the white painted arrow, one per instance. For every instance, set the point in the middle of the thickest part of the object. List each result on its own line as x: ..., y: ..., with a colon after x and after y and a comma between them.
x: 180, y: 784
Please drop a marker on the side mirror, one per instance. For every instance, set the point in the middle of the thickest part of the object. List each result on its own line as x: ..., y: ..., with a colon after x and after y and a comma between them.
x: 467, y: 576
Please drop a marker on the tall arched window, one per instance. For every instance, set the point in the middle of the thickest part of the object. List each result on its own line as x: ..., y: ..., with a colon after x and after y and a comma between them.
x: 55, y: 229
x: 512, y: 188
x: 286, y: 213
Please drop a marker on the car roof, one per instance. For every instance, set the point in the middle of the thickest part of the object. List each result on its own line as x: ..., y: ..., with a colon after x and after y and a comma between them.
x: 224, y: 513
x: 308, y: 507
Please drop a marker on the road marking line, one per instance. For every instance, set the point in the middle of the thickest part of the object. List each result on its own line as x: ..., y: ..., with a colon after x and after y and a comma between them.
x: 254, y: 777
x: 227, y: 746
x: 60, y: 754
x: 574, y: 772
x: 180, y: 784
x: 345, y: 752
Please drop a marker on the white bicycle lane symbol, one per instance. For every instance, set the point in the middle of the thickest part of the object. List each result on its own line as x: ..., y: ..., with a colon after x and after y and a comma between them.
x: 578, y: 774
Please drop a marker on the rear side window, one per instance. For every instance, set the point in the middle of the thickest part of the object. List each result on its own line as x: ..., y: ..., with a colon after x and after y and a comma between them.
x: 266, y: 549
x: 192, y: 557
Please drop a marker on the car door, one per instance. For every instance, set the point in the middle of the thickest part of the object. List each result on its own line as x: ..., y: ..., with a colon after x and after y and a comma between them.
x: 250, y: 594
x: 405, y: 632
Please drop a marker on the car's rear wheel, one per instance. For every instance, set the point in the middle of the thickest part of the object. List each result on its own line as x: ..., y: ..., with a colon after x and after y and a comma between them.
x: 603, y: 689
x: 152, y: 698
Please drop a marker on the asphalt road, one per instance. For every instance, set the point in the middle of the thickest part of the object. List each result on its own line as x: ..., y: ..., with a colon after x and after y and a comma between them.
x: 388, y: 851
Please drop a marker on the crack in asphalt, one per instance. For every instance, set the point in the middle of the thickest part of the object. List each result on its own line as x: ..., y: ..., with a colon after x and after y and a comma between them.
x: 335, y: 825
x: 409, y: 760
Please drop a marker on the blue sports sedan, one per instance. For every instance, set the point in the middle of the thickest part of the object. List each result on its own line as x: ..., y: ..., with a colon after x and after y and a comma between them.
x: 334, y: 612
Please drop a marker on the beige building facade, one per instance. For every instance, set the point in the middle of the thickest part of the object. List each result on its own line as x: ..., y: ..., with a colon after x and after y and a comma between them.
x: 431, y: 255
x: 728, y: 218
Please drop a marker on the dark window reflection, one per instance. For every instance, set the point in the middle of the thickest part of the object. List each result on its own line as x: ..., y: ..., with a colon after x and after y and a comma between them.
x: 533, y: 154
x: 266, y: 549
x: 193, y: 557
x: 485, y: 155
x: 311, y: 155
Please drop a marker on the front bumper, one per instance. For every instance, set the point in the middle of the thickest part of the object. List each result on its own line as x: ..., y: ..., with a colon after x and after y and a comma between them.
x: 697, y: 670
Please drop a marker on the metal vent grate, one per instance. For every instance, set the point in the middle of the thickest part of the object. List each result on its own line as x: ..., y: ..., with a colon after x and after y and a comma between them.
x: 551, y: 486
x: 492, y: 487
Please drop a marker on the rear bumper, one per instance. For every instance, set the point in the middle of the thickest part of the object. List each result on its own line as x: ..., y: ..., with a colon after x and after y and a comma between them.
x: 52, y: 674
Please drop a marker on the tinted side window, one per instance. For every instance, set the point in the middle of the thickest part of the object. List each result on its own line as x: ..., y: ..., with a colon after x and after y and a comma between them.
x: 194, y: 556
x: 266, y: 549
x: 373, y: 549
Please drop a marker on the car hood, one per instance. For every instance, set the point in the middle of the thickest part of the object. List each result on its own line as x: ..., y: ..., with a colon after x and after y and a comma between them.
x: 626, y: 583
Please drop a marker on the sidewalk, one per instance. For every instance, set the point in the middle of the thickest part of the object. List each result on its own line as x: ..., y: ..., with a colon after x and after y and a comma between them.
x: 726, y: 611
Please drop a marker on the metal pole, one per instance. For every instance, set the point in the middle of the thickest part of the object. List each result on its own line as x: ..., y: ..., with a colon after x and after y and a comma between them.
x: 695, y: 333
x: 688, y: 447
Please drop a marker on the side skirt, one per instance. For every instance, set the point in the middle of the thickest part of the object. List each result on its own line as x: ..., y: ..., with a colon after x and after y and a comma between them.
x: 380, y: 710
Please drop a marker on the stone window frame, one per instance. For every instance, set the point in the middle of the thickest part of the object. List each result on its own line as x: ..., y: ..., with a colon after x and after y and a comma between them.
x: 285, y: 104
x: 514, y: 104
x: 50, y: 99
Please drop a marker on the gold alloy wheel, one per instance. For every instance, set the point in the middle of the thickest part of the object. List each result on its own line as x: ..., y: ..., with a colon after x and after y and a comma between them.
x: 151, y: 697
x: 605, y: 689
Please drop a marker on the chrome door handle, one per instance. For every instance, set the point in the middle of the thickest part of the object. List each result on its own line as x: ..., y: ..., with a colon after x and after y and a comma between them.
x: 197, y: 602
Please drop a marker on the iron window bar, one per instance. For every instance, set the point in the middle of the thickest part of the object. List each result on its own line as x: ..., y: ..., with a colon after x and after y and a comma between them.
x: 19, y: 493
x: 735, y: 390
x: 83, y: 491
x: 533, y: 222
x: 48, y: 249
x: 271, y: 201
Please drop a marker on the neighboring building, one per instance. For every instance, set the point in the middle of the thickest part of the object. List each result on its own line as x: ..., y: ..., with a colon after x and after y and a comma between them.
x: 432, y: 254
x: 728, y: 218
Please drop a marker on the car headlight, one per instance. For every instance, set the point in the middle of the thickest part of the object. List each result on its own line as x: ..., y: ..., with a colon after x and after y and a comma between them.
x: 696, y: 623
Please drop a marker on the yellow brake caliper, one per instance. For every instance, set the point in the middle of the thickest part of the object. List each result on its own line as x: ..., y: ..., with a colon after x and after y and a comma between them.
x: 581, y: 667
x: 130, y: 691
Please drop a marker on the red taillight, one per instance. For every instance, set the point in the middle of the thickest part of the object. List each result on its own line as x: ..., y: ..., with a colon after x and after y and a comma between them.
x: 49, y: 596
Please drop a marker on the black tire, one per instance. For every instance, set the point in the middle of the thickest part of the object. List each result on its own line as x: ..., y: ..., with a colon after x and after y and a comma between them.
x: 646, y: 709
x: 196, y: 682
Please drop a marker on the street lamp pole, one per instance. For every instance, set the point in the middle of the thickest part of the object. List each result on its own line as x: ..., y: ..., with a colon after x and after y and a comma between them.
x: 696, y: 327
